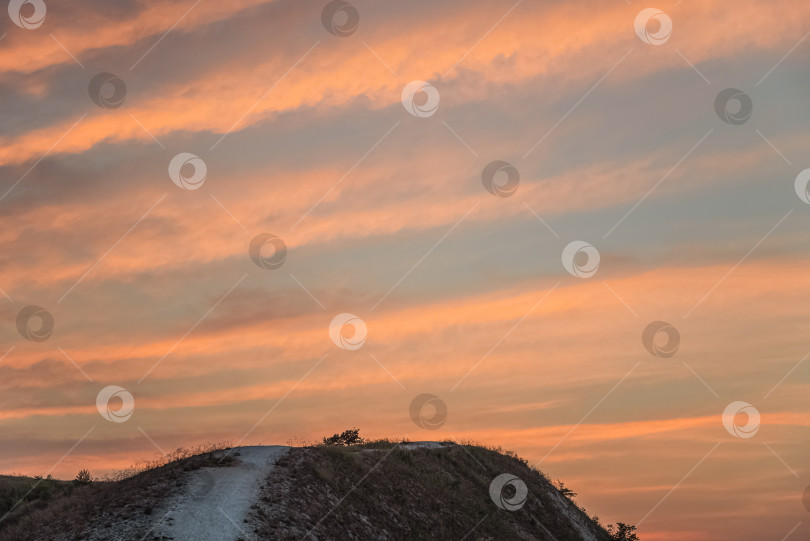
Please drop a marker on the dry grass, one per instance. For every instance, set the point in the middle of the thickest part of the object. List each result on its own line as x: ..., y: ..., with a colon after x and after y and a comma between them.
x: 394, y: 493
x: 374, y: 490
x: 126, y: 495
x: 159, y: 460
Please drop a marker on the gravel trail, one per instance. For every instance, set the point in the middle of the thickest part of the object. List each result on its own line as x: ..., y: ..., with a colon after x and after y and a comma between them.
x: 215, y: 503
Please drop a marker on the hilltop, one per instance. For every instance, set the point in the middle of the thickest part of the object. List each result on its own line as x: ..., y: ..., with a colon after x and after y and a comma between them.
x: 375, y: 490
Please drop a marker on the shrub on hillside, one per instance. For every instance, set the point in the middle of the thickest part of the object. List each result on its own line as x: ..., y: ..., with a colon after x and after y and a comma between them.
x: 83, y: 477
x: 564, y: 490
x: 622, y: 532
x: 348, y: 437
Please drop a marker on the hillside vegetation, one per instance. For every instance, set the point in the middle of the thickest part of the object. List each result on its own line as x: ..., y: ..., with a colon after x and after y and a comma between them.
x: 342, y: 489
x: 36, y: 509
x: 382, y: 490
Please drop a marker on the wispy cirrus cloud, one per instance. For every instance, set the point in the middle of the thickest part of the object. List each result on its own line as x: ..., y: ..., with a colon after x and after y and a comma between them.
x: 384, y: 215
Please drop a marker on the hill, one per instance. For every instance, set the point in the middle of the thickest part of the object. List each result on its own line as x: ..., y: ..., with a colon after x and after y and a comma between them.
x: 376, y: 490
x: 421, y: 490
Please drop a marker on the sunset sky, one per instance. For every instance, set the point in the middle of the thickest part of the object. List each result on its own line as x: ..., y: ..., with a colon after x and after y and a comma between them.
x: 305, y: 135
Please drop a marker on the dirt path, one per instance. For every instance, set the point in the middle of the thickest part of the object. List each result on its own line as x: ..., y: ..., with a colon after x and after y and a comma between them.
x: 216, y: 501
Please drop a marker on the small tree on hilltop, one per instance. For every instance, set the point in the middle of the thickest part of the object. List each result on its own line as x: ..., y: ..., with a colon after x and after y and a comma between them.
x: 623, y: 532
x: 348, y: 437
x: 564, y: 490
x: 83, y: 477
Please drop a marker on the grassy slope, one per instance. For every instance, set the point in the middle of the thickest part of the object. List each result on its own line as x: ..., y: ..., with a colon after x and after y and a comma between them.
x: 392, y: 494
x: 406, y: 494
x: 68, y: 512
x: 18, y: 490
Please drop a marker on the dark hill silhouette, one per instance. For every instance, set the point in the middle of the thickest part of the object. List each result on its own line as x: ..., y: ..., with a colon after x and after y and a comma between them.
x: 366, y: 490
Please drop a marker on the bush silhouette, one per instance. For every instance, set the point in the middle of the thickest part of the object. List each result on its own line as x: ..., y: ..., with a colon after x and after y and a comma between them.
x: 83, y: 477
x: 623, y: 532
x: 564, y: 490
x: 348, y: 437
